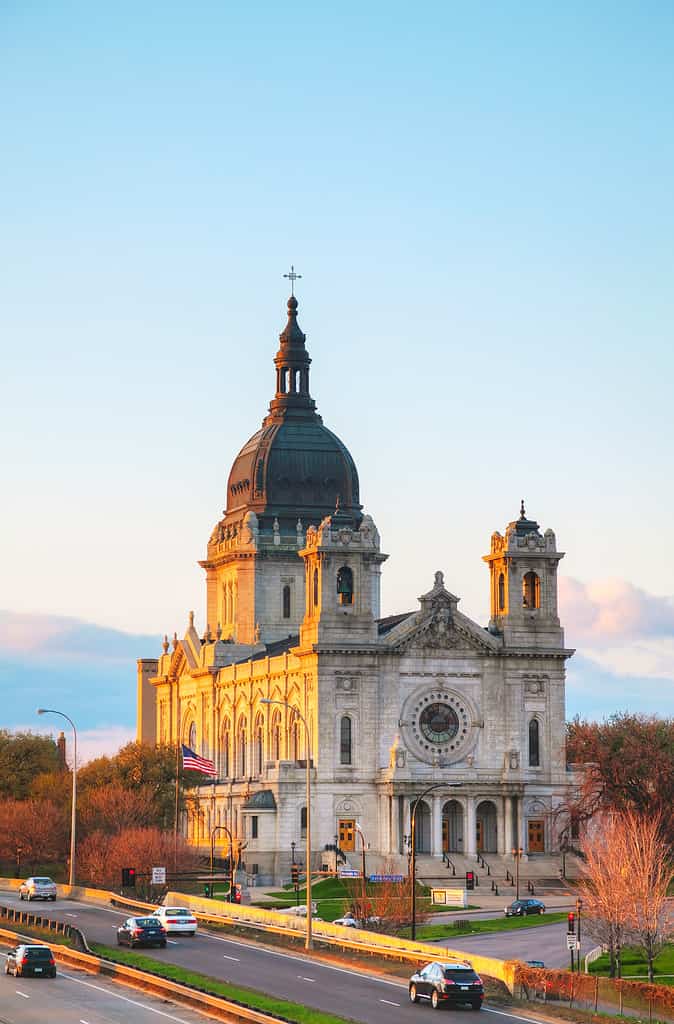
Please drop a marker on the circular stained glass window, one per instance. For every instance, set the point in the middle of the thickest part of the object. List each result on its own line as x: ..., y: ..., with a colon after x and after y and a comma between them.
x: 438, y: 723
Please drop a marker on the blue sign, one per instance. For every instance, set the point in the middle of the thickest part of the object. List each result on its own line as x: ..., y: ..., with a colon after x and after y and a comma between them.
x: 387, y: 878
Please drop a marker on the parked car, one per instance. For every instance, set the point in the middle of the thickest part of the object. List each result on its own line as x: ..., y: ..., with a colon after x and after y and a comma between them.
x: 37, y: 888
x: 519, y: 908
x: 348, y: 921
x: 177, y: 920
x: 30, y: 960
x: 535, y: 963
x: 141, y: 931
x: 447, y: 984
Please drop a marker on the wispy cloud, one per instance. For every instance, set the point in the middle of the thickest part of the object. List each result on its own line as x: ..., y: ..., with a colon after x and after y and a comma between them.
x: 52, y: 636
x: 91, y: 743
x: 611, y: 612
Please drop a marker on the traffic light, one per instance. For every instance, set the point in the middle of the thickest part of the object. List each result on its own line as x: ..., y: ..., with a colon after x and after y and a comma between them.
x: 207, y: 889
x: 571, y: 924
x: 295, y: 874
x: 129, y: 878
x: 470, y: 879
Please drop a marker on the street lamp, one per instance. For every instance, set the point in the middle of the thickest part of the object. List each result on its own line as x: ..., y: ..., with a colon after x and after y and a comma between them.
x: 413, y: 844
x: 223, y: 828
x: 362, y: 850
x: 517, y: 854
x: 51, y: 711
x: 579, y: 907
x: 308, y: 942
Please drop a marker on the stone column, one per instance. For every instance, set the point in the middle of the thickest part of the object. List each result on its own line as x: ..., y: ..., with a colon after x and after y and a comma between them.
x: 508, y: 836
x: 470, y: 839
x: 500, y: 825
x: 436, y: 827
x: 522, y: 829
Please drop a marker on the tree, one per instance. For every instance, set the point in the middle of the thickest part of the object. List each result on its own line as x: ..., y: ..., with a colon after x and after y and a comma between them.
x: 32, y: 831
x: 628, y: 764
x: 23, y: 756
x: 112, y: 808
x: 101, y: 856
x: 624, y: 883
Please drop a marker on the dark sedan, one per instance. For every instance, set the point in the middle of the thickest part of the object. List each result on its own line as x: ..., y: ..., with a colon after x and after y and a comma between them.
x: 141, y: 931
x: 30, y: 960
x: 519, y: 908
x: 447, y: 985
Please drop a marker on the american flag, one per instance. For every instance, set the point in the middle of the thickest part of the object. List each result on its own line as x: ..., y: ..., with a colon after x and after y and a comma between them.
x: 196, y: 763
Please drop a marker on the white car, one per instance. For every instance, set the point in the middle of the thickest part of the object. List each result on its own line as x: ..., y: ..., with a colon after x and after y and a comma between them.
x: 37, y: 888
x: 177, y: 919
x: 347, y: 922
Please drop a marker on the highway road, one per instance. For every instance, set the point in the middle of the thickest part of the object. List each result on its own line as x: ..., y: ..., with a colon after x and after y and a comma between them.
x: 547, y: 942
x: 346, y: 991
x: 74, y: 997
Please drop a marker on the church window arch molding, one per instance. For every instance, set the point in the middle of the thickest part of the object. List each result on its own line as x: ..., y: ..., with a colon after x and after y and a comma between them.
x: 315, y: 589
x: 241, y: 747
x: 259, y: 744
x: 501, y: 592
x: 275, y: 735
x: 531, y: 590
x: 345, y: 585
x: 346, y: 750
x: 226, y: 749
x: 294, y: 727
x: 534, y: 742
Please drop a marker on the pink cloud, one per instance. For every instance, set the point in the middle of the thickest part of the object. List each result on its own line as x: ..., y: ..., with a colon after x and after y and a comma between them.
x: 611, y: 612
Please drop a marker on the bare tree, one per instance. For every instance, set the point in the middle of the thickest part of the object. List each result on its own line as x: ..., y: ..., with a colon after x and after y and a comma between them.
x: 650, y: 870
x: 604, y: 885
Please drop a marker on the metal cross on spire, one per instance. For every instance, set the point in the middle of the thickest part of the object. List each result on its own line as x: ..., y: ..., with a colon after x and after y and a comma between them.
x: 292, y: 277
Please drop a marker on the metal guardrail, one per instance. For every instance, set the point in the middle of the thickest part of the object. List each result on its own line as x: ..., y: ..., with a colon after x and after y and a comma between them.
x: 31, y: 920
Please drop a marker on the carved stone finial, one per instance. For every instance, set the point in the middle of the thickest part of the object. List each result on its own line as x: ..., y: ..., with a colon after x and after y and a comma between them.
x: 523, y: 514
x: 337, y: 505
x: 218, y: 632
x: 175, y: 641
x: 165, y: 644
x: 439, y: 579
x: 191, y: 620
x: 257, y: 632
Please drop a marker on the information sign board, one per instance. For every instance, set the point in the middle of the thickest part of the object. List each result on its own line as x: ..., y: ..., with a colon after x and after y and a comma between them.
x: 159, y: 876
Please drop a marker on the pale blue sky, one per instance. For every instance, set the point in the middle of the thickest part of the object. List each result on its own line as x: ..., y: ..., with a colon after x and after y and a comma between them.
x: 479, y: 197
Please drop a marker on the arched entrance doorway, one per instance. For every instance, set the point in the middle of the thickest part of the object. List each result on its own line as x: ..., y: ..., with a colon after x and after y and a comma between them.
x: 485, y: 822
x: 422, y: 827
x: 452, y: 827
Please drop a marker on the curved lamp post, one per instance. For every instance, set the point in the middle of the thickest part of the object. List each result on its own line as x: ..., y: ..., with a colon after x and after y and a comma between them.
x: 223, y: 828
x: 517, y: 852
x: 308, y: 942
x: 362, y: 850
x: 413, y: 841
x: 51, y: 711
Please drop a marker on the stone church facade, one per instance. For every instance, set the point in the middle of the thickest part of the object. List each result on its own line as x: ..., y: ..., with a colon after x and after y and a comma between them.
x: 392, y: 705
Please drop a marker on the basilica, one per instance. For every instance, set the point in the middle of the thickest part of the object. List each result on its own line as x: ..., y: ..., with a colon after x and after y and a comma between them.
x: 295, y: 667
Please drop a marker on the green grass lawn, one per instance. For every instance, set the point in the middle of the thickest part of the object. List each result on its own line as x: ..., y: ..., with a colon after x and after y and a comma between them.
x: 295, y: 1012
x: 331, y: 896
x: 473, y: 927
x: 634, y: 965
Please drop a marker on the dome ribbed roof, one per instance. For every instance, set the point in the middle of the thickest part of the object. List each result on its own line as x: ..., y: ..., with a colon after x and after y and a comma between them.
x: 294, y: 467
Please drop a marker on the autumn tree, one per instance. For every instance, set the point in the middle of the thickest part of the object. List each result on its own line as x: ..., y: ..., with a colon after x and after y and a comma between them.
x: 112, y: 808
x: 101, y: 857
x: 603, y: 886
x: 32, y: 832
x: 627, y: 764
x: 23, y: 756
x: 650, y: 862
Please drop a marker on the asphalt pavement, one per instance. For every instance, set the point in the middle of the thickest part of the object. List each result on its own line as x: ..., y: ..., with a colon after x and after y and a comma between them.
x: 346, y: 991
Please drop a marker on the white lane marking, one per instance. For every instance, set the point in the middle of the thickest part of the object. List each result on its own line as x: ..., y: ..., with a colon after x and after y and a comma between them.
x: 134, y: 1002
x: 237, y: 958
x: 312, y: 980
x: 388, y: 1002
x: 502, y: 1013
x: 83, y: 1021
x: 23, y: 994
x: 173, y: 942
x: 70, y: 915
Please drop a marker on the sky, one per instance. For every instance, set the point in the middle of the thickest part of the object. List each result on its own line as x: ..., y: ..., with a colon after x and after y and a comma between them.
x: 478, y: 198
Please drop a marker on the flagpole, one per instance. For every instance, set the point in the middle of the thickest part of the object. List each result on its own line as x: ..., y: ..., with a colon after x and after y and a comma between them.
x: 175, y: 832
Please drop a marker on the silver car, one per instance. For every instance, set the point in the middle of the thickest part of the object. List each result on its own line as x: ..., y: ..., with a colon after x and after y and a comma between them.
x: 37, y: 888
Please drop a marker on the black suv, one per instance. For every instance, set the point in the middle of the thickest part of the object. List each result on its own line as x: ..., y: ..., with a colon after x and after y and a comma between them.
x: 446, y: 985
x: 27, y: 960
x: 141, y: 931
x: 518, y: 908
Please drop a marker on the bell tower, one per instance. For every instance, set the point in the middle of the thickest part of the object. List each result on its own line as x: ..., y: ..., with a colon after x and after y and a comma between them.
x: 523, y: 585
x: 342, y: 582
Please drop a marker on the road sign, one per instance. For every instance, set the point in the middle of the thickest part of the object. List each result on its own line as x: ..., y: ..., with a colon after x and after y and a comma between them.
x: 348, y: 873
x: 572, y: 942
x: 387, y: 878
x: 159, y: 876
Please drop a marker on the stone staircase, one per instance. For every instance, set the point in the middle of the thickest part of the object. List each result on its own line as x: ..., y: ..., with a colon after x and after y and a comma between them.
x: 540, y: 872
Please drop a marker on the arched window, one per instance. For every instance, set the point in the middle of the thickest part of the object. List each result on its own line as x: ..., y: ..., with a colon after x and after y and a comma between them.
x: 501, y: 593
x: 295, y: 738
x: 315, y: 588
x: 303, y: 823
x: 345, y: 740
x: 241, y: 751
x: 531, y: 590
x: 345, y: 585
x: 286, y: 601
x: 225, y: 749
x: 276, y: 736
x: 192, y: 737
x: 259, y: 746
x: 534, y: 744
